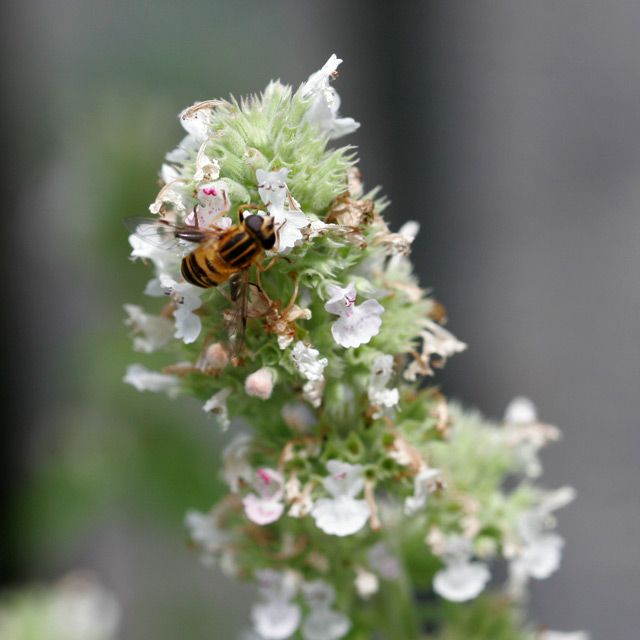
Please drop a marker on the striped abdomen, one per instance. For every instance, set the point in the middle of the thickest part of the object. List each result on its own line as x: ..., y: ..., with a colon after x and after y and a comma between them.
x: 213, y: 263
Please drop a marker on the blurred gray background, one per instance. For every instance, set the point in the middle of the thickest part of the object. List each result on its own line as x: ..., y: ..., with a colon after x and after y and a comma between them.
x: 510, y: 130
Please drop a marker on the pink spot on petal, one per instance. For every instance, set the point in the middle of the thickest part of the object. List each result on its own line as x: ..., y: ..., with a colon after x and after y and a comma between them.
x: 210, y: 191
x: 264, y: 476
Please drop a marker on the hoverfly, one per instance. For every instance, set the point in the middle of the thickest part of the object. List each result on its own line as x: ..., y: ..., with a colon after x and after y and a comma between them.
x: 221, y: 255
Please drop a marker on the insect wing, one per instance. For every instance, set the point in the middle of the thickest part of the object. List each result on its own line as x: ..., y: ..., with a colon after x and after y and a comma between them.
x: 158, y: 233
x: 237, y: 316
x: 170, y: 237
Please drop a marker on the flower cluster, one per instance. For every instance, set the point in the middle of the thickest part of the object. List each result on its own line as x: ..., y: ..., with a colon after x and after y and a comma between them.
x: 348, y: 474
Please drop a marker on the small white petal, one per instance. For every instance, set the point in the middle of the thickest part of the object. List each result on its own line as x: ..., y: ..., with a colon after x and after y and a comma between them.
x: 262, y: 511
x: 366, y: 583
x: 272, y: 187
x: 325, y: 624
x: 276, y: 620
x: 153, y: 332
x: 344, y: 479
x: 308, y: 362
x: 325, y: 102
x: 359, y: 326
x: 187, y: 297
x: 423, y: 485
x: 461, y: 581
x: 265, y: 506
x: 340, y: 298
x: 563, y: 635
x: 236, y: 467
x: 205, y: 531
x: 217, y: 404
x: 542, y: 556
x: 145, y: 380
x: 341, y: 516
x: 520, y: 411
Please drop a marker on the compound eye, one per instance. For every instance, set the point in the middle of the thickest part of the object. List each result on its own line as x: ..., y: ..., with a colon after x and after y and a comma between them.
x: 254, y: 222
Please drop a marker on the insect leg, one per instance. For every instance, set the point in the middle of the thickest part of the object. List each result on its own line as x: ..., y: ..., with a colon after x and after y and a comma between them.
x: 272, y: 262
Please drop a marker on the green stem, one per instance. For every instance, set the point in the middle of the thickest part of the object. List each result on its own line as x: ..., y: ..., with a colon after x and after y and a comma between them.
x: 399, y: 618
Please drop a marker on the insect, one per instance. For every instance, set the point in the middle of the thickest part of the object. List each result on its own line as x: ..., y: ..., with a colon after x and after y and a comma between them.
x: 221, y: 255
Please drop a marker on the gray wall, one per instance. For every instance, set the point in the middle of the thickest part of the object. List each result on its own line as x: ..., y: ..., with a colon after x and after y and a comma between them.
x: 509, y: 129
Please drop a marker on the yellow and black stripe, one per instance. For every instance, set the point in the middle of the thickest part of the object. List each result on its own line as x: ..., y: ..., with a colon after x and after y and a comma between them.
x: 239, y: 250
x: 201, y: 271
x: 215, y: 261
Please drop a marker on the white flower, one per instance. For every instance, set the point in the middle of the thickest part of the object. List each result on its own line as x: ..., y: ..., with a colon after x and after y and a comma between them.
x: 214, y: 542
x: 205, y: 531
x: 282, y: 585
x: 399, y: 246
x: 322, y: 622
x: 260, y: 383
x: 366, y: 583
x: 563, y: 635
x: 236, y: 467
x: 145, y: 380
x: 289, y: 224
x: 308, y: 362
x: 520, y: 411
x: 265, y: 506
x: 381, y: 372
x: 276, y: 618
x: 423, y: 484
x: 272, y: 187
x: 542, y: 555
x: 312, y: 392
x: 206, y: 167
x: 325, y: 102
x: 171, y: 195
x: 195, y: 124
x: 217, y: 404
x: 187, y: 298
x: 436, y: 341
x: 164, y: 261
x: 213, y: 202
x: 461, y: 580
x: 357, y: 323
x: 342, y: 514
x: 557, y: 499
x: 526, y: 435
x: 155, y: 331
x: 540, y: 551
x: 287, y: 217
x: 538, y: 557
x: 325, y: 624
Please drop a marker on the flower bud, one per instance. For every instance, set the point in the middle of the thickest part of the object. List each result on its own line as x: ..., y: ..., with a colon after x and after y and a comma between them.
x: 260, y: 383
x: 216, y: 356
